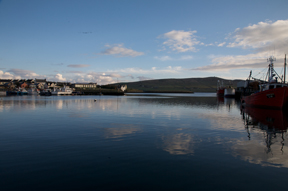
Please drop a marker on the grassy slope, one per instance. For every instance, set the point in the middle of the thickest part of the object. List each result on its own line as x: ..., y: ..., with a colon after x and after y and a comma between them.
x: 208, y: 84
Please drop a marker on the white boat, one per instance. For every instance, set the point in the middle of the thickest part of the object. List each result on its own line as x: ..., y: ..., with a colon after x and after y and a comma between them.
x: 22, y: 91
x: 33, y: 91
x: 229, y: 92
x: 123, y: 88
x: 62, y: 91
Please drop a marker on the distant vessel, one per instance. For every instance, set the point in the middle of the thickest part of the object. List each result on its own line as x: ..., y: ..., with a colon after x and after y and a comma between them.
x: 2, y: 93
x: 45, y: 92
x: 11, y: 92
x: 123, y: 88
x: 62, y: 91
x: 220, y: 88
x: 22, y: 91
x: 272, y: 94
x: 229, y: 92
x: 33, y: 91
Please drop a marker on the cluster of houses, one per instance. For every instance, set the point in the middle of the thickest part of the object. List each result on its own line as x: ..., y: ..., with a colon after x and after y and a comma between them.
x: 10, y: 84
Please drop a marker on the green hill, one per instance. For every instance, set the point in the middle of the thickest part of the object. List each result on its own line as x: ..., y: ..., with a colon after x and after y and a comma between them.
x: 208, y: 84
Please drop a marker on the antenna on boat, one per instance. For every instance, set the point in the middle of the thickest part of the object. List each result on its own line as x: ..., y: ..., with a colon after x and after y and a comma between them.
x: 284, y: 68
x: 271, y: 68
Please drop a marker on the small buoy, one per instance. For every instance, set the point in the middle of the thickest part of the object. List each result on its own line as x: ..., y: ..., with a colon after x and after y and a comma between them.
x: 95, y: 99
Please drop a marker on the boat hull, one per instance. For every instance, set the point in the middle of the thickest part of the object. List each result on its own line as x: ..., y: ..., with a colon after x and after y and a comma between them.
x: 274, y: 98
x: 33, y: 93
x: 229, y: 92
x: 220, y: 92
x: 45, y: 93
x: 61, y: 93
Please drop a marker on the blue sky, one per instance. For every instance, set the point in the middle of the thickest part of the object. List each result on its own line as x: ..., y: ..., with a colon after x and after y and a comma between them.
x: 132, y: 40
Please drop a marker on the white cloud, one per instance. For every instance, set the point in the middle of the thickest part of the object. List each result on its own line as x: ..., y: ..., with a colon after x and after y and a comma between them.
x: 186, y: 57
x: 78, y: 65
x: 5, y: 75
x: 264, y: 38
x: 153, y: 70
x: 168, y: 58
x: 203, y: 44
x: 229, y: 62
x: 119, y: 50
x: 114, y: 75
x: 163, y: 58
x: 97, y: 77
x: 24, y: 74
x: 75, y: 72
x: 58, y: 78
x: 181, y: 41
x: 221, y: 44
x: 142, y: 78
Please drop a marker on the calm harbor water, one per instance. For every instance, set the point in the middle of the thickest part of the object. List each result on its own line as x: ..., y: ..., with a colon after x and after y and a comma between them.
x: 138, y: 142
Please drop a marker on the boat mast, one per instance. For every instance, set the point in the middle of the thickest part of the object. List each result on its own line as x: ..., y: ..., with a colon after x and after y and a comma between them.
x: 271, y: 69
x: 284, y: 68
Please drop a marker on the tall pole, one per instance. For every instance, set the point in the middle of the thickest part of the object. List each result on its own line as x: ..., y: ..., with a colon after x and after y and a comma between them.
x: 285, y: 69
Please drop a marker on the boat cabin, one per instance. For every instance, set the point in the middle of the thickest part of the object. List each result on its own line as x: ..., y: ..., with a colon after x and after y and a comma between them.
x: 269, y: 86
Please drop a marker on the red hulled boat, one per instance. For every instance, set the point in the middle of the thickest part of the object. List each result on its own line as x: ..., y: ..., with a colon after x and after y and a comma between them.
x: 220, y: 88
x: 272, y: 94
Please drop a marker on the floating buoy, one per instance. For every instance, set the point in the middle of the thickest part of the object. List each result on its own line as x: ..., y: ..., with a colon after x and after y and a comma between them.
x: 95, y: 99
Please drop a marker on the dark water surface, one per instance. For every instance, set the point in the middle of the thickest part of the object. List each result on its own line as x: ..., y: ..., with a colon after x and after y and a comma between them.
x: 140, y: 143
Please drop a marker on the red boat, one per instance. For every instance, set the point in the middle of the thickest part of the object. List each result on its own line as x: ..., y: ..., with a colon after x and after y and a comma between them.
x: 220, y: 91
x: 220, y: 88
x: 273, y: 98
x: 272, y: 94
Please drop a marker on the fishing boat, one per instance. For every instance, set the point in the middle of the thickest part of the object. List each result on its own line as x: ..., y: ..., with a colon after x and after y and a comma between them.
x: 11, y: 92
x: 45, y: 92
x: 3, y: 93
x: 220, y: 88
x: 272, y: 94
x: 22, y: 91
x: 62, y: 91
x: 33, y: 91
x: 229, y: 92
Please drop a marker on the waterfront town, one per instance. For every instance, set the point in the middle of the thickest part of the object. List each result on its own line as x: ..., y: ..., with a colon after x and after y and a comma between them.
x: 37, y: 86
x: 44, y: 87
x: 10, y: 84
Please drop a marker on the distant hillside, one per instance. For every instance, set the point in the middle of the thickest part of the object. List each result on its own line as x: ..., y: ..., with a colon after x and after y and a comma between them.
x: 208, y: 84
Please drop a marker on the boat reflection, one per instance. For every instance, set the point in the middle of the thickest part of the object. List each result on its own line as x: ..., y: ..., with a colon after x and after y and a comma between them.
x: 272, y: 123
x: 227, y: 102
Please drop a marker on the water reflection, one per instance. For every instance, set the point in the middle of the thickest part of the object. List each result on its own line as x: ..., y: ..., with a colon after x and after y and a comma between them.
x: 183, y: 124
x: 139, y: 138
x: 178, y: 144
x: 266, y: 134
x: 228, y: 103
x: 120, y: 130
x: 203, y: 102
